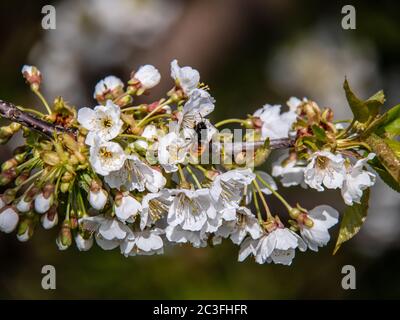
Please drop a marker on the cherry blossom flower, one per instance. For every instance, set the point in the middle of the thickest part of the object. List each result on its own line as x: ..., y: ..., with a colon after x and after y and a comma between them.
x: 98, y: 199
x: 23, y: 206
x: 290, y: 171
x: 151, y: 133
x: 148, y: 76
x: 43, y: 203
x: 109, y: 232
x: 126, y: 208
x: 274, y: 124
x: 325, y: 168
x: 106, y: 157
x: 172, y: 150
x: 103, y: 122
x: 109, y: 87
x: 277, y: 246
x: 357, y: 180
x: 83, y: 244
x: 228, y: 188
x: 8, y: 220
x: 136, y: 175
x: 177, y: 234
x: 49, y: 219
x: 199, y: 105
x: 190, y: 209
x: 144, y: 242
x: 154, y: 207
x: 323, y: 218
x: 242, y: 223
x: 186, y: 78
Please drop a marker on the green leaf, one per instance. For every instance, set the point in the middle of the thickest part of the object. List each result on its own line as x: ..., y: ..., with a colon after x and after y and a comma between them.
x: 319, y: 133
x: 353, y: 218
x: 385, y: 176
x: 363, y: 110
x: 386, y: 155
x: 391, y: 122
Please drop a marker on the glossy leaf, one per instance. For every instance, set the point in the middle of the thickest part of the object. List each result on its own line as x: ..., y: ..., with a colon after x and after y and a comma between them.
x: 352, y: 220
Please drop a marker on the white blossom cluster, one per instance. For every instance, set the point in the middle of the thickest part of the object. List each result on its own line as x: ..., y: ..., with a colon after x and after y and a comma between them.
x: 144, y: 189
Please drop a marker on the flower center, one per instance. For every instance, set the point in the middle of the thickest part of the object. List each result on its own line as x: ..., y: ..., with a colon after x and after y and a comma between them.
x: 104, y: 153
x: 107, y: 123
x: 322, y: 162
x: 157, y: 209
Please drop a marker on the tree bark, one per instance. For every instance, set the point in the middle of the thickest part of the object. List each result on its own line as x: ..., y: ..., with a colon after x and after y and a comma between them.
x: 11, y: 112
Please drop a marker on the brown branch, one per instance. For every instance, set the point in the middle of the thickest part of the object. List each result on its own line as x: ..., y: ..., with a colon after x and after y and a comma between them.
x: 11, y: 112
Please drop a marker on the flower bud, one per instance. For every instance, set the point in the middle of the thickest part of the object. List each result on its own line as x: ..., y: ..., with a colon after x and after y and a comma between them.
x: 50, y: 218
x: 98, y: 199
x: 7, y: 176
x: 9, y: 195
x: 294, y: 213
x: 20, y: 157
x: 50, y: 157
x: 73, y: 220
x: 64, y: 239
x: 32, y: 76
x: 22, y: 177
x: 23, y: 205
x: 83, y: 244
x: 8, y: 219
x: 146, y: 77
x: 124, y: 100
x: 110, y: 87
x: 10, y: 163
x: 43, y: 203
x: 312, y: 111
x: 67, y: 177
x: 25, y: 230
x: 248, y: 124
x: 327, y: 115
x: 64, y: 186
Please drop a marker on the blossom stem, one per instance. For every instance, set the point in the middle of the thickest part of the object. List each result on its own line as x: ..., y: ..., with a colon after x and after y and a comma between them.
x: 264, y: 202
x: 158, y: 108
x: 274, y: 192
x: 133, y: 136
x: 134, y: 108
x: 194, y: 176
x: 40, y: 96
x: 227, y: 121
x: 36, y: 112
x: 181, y: 174
x: 351, y: 144
x: 256, y: 204
x: 164, y: 115
x: 30, y: 179
x: 29, y: 163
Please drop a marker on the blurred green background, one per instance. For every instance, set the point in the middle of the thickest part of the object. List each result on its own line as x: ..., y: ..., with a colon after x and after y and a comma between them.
x: 250, y: 53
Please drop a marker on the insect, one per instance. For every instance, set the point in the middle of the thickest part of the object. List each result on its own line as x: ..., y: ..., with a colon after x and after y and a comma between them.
x: 199, y: 127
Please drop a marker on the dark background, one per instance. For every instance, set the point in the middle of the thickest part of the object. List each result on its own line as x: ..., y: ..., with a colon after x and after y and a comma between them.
x: 250, y: 53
